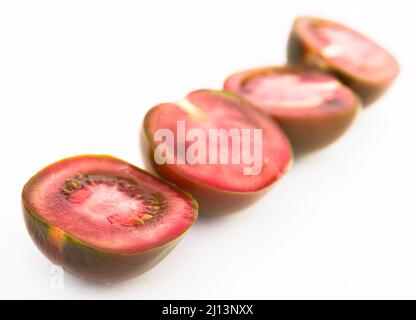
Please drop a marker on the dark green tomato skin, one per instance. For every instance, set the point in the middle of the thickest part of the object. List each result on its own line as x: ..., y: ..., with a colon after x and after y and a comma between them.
x: 312, y: 134
x: 89, y: 263
x: 299, y: 54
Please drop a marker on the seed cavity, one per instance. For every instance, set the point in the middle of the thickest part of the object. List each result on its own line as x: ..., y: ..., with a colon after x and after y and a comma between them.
x: 152, y: 205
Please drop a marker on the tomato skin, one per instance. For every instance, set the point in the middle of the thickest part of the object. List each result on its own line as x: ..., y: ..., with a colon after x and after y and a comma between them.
x: 89, y: 263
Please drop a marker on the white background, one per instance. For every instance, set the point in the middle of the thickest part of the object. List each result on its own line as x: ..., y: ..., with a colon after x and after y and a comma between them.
x: 77, y: 77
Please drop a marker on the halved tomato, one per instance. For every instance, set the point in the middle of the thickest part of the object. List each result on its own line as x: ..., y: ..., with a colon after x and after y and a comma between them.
x: 312, y: 108
x: 212, y: 173
x: 361, y: 63
x: 104, y: 219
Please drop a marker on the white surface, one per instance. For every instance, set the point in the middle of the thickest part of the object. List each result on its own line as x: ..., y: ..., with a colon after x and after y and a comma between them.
x: 77, y: 77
